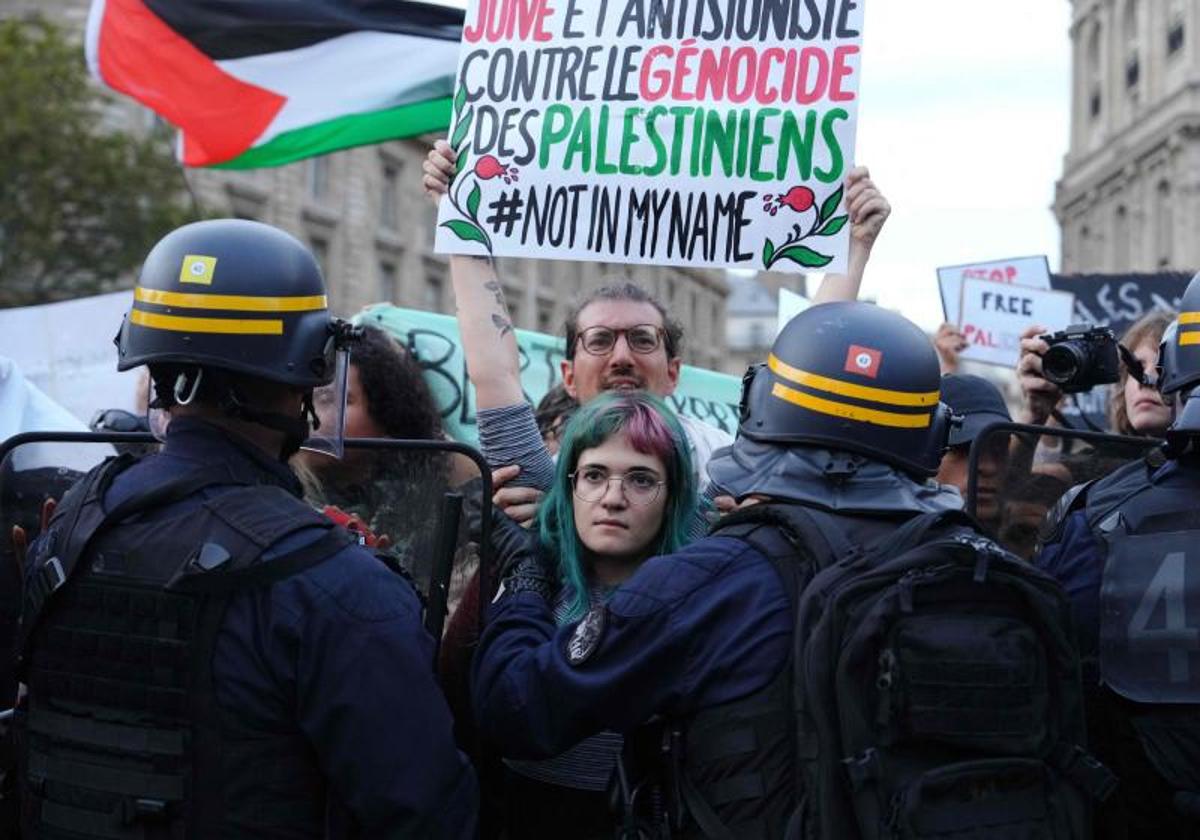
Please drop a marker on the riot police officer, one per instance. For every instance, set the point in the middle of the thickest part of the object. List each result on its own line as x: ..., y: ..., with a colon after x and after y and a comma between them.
x: 1125, y: 549
x: 204, y: 654
x: 841, y: 431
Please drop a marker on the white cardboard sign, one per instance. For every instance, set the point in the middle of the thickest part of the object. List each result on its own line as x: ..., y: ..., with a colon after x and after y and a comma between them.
x: 993, y: 316
x: 1018, y: 271
x: 702, y: 134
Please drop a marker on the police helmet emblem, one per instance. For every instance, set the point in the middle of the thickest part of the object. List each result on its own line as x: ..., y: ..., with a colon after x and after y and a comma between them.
x: 587, y: 635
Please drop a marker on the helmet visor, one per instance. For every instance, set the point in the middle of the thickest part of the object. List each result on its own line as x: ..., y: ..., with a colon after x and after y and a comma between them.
x: 327, y: 434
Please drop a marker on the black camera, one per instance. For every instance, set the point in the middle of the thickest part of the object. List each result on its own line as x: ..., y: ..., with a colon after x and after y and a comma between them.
x: 1080, y: 358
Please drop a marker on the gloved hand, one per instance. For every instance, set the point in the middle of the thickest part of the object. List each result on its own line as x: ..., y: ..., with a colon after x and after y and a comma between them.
x: 524, y: 566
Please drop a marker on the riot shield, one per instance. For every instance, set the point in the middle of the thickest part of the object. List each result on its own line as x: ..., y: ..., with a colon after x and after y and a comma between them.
x: 1017, y: 473
x: 407, y: 499
x: 427, y: 503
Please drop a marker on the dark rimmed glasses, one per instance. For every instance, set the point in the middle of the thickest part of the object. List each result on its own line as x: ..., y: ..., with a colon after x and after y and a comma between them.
x: 640, y: 487
x: 641, y: 338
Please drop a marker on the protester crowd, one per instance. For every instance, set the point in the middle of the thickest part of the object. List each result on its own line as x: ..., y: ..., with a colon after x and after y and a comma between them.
x: 884, y: 608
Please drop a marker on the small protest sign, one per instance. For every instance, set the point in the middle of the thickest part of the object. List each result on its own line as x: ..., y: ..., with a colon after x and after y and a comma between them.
x: 993, y: 316
x: 677, y: 132
x: 1018, y: 271
x: 434, y: 341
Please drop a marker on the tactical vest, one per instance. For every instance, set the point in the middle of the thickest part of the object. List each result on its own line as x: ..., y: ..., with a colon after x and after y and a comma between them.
x: 121, y: 734
x: 734, y: 772
x: 1149, y: 653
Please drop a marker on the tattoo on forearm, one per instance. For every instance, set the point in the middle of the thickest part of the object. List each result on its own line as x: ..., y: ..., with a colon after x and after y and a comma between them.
x: 494, y: 287
x: 502, y: 324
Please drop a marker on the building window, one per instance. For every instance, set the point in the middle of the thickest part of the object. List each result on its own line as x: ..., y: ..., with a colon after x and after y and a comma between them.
x: 1094, y: 72
x: 1121, y: 239
x: 513, y: 299
x: 758, y: 336
x: 1164, y: 232
x: 1175, y: 38
x: 545, y: 316
x: 1132, y: 46
x: 389, y: 198
x: 317, y: 177
x: 387, y: 281
x: 319, y: 245
x: 1175, y: 27
x: 433, y: 293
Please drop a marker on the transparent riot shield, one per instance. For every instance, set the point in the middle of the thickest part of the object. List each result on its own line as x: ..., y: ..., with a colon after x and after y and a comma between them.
x: 1017, y: 473
x: 424, y: 504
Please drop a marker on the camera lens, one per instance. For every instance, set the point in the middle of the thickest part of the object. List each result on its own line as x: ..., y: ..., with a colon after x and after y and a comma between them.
x: 1063, y: 362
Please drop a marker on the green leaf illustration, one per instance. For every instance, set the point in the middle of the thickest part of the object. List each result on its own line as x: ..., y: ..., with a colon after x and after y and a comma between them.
x: 460, y: 99
x: 804, y: 256
x: 831, y: 204
x: 473, y: 202
x: 460, y: 129
x: 465, y: 231
x: 768, y: 252
x: 833, y: 226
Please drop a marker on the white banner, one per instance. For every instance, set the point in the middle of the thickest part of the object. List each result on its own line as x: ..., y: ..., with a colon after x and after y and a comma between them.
x: 700, y: 134
x: 66, y: 350
x: 993, y: 316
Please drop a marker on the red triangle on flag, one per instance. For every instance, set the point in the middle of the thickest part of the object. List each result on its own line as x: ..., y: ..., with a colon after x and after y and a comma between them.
x: 220, y: 115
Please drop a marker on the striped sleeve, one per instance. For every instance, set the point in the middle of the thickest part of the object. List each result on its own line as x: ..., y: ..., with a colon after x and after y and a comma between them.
x: 509, y: 435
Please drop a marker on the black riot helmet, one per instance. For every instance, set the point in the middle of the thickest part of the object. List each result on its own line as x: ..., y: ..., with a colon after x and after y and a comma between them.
x: 1179, y: 353
x: 853, y: 377
x: 235, y: 295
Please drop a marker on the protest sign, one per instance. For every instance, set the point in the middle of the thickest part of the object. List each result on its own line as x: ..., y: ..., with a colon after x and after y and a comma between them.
x: 1018, y: 271
x: 1117, y: 300
x: 66, y: 350
x: 994, y: 315
x: 434, y: 341
x: 677, y: 132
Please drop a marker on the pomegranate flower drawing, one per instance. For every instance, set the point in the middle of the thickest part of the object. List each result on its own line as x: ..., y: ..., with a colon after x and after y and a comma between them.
x: 487, y: 167
x: 801, y: 200
x: 469, y: 228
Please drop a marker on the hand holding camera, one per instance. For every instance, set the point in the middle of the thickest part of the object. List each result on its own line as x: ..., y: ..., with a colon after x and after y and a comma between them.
x: 1070, y: 361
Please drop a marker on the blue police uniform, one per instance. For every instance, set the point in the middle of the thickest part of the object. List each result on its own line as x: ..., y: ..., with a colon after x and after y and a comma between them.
x: 1104, y: 544
x: 688, y: 631
x: 330, y: 665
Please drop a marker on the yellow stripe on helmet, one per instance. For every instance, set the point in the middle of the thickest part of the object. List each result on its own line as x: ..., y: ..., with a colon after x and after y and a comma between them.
x: 1189, y: 337
x: 234, y: 303
x: 219, y: 326
x: 850, y: 389
x: 1189, y: 317
x: 851, y: 412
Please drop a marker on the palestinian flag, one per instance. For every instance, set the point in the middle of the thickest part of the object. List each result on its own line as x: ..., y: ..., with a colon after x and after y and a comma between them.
x: 253, y: 83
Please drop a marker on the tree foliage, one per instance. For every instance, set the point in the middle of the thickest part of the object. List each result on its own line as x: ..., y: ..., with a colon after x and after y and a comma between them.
x: 80, y: 201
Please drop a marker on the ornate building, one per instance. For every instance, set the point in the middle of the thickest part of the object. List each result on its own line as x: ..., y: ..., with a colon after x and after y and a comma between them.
x: 363, y: 213
x: 1129, y: 197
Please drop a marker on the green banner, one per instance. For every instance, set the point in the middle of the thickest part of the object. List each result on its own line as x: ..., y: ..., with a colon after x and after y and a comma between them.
x: 434, y: 341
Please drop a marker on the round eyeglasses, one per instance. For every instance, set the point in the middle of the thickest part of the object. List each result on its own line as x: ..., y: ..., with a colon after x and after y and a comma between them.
x: 638, y: 486
x: 641, y: 338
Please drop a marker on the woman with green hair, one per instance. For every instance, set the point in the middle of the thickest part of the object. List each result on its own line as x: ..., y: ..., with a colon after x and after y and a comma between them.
x: 623, y: 491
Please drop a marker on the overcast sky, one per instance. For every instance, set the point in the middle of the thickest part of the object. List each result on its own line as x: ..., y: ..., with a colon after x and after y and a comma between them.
x: 964, y: 121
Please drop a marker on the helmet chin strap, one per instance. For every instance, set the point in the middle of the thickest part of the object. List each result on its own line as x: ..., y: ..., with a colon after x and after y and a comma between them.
x: 295, y: 430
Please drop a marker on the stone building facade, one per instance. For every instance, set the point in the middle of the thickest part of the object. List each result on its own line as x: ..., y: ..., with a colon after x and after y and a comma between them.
x: 364, y: 215
x: 1129, y: 196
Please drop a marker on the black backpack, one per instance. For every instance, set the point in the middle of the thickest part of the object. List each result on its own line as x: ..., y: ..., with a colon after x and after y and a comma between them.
x: 936, y: 684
